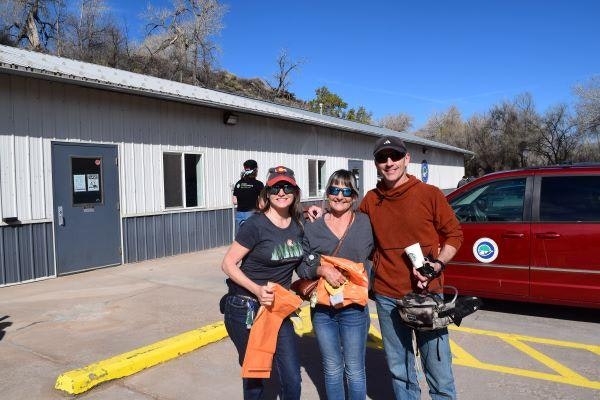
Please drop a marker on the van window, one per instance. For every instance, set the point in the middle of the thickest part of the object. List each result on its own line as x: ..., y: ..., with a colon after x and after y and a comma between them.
x: 570, y: 198
x: 500, y: 201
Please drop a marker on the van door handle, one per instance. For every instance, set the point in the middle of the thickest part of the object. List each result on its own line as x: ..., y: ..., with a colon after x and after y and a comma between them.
x: 547, y: 235
x: 513, y: 235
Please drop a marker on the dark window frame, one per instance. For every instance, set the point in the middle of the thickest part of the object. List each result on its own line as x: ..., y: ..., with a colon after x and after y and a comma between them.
x: 200, y: 179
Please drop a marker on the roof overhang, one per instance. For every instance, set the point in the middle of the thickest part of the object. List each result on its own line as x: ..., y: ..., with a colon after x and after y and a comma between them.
x: 43, y: 66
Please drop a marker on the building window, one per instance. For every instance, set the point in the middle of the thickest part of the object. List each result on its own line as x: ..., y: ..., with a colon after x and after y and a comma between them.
x: 87, y: 180
x: 182, y: 179
x: 316, y: 178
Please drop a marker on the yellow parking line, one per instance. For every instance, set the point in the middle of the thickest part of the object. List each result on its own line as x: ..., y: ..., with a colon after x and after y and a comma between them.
x: 565, y: 375
x: 552, y: 342
x: 82, y: 379
x: 544, y: 359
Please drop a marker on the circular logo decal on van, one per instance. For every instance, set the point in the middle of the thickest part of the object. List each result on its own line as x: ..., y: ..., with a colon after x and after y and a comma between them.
x: 485, y: 250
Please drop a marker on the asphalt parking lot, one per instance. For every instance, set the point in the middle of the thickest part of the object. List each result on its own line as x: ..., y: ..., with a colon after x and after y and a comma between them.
x: 512, y: 350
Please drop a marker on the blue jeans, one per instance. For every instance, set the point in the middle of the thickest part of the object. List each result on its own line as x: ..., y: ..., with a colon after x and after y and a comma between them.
x: 241, y: 217
x: 434, y: 348
x: 286, y: 358
x: 342, y: 337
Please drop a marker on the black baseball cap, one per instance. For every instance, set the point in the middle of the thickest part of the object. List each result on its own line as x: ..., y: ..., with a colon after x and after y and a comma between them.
x: 389, y: 143
x: 250, y: 164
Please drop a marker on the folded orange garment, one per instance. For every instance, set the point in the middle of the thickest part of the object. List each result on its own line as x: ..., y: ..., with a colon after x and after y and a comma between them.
x: 355, y: 289
x: 262, y: 342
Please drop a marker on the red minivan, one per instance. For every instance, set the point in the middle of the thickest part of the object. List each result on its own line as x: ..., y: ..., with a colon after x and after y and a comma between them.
x: 530, y: 235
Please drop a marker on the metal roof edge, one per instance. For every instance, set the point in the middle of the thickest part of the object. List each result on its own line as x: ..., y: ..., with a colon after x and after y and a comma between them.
x: 35, y: 69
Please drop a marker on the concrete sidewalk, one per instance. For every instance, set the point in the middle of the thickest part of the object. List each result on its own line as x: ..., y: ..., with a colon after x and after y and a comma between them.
x: 62, y: 324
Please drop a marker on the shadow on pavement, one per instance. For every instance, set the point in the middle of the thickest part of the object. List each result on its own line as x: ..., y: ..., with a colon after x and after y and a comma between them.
x: 379, y: 382
x: 4, y: 325
x: 542, y: 310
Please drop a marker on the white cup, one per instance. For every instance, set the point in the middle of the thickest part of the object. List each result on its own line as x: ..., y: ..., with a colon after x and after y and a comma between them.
x: 415, y: 254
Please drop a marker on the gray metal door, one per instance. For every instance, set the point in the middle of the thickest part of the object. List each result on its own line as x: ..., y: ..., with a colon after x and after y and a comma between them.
x: 356, y: 167
x: 86, y: 206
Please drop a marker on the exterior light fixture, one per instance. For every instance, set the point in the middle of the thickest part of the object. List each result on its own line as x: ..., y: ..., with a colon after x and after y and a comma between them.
x: 230, y: 118
x: 11, y: 220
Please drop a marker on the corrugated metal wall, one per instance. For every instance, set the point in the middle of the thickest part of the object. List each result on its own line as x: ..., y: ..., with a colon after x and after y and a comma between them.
x: 164, y: 235
x: 34, y: 112
x: 26, y: 253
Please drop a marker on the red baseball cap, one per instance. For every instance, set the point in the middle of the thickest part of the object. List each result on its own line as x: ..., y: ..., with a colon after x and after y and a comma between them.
x: 280, y: 174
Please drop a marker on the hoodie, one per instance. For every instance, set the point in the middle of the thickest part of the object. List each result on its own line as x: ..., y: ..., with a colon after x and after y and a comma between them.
x: 413, y: 212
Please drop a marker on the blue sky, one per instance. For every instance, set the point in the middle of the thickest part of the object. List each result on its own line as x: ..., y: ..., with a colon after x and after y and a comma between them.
x: 416, y: 57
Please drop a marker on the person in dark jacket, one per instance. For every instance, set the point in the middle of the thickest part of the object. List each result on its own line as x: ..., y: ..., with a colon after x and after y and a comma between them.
x: 246, y: 192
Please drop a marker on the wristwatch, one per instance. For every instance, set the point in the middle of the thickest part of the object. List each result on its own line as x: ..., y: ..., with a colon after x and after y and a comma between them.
x: 442, y: 264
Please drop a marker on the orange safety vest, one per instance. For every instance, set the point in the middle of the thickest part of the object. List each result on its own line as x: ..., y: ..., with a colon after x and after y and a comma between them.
x: 355, y: 289
x: 262, y: 342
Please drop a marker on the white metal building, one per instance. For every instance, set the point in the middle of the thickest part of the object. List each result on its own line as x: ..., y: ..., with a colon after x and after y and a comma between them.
x: 100, y: 166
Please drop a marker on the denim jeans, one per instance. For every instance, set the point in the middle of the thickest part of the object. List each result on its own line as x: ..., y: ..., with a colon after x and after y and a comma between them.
x: 342, y: 337
x: 286, y: 358
x: 434, y: 348
x: 241, y: 217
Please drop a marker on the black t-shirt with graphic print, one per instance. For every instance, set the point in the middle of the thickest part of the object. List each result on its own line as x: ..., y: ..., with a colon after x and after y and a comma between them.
x: 274, y: 252
x: 246, y: 191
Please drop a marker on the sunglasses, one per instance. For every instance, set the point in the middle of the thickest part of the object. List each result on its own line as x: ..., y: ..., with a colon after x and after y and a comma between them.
x: 287, y: 189
x: 334, y: 191
x: 383, y: 156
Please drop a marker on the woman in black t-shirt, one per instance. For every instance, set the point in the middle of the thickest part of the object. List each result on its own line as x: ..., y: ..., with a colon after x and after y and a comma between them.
x: 269, y: 247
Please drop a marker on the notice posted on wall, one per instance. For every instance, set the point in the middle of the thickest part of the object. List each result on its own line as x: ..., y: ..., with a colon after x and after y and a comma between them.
x: 79, y: 183
x: 93, y: 182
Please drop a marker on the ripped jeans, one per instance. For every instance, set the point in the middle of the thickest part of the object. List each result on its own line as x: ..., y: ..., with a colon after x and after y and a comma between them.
x: 434, y: 348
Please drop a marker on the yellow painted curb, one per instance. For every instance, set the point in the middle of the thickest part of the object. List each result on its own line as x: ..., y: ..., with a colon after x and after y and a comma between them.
x: 82, y: 379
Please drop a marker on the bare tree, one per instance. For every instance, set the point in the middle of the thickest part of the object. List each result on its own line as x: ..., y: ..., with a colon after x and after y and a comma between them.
x: 588, y: 118
x: 281, y: 78
x: 400, y: 122
x: 446, y: 127
x: 588, y: 105
x: 183, y: 34
x: 558, y: 137
x: 30, y: 22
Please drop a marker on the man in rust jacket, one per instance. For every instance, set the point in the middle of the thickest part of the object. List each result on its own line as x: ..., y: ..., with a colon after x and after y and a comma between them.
x: 403, y: 210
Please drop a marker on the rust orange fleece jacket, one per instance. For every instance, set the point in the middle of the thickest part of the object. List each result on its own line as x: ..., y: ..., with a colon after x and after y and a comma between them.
x: 413, y: 212
x: 262, y: 342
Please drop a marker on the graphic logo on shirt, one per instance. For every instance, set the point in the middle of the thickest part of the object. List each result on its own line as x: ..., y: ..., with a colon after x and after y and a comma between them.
x: 287, y: 250
x: 485, y: 250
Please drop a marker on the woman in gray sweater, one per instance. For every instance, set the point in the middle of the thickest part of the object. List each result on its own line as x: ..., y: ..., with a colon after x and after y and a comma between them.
x: 341, y: 332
